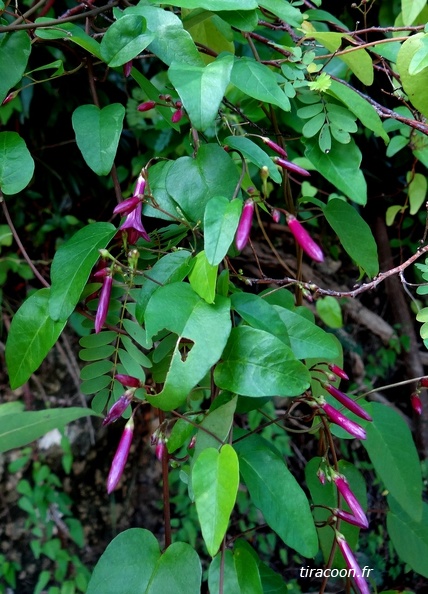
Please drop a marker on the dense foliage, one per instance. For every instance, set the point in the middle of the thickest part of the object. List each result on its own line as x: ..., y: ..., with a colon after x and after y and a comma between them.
x: 180, y: 182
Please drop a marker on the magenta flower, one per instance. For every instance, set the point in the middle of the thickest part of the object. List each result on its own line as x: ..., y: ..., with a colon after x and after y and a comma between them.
x: 127, y: 206
x: 416, y: 403
x: 103, y: 303
x: 140, y: 186
x: 118, y: 409
x: 291, y: 166
x: 146, y: 106
x: 353, y: 503
x: 274, y: 146
x: 133, y: 226
x: 424, y: 382
x: 348, y: 402
x: 244, y: 225
x: 120, y: 456
x: 338, y: 371
x: 352, y: 564
x: 127, y: 380
x: 349, y: 518
x: 349, y: 426
x: 160, y: 449
x: 305, y: 241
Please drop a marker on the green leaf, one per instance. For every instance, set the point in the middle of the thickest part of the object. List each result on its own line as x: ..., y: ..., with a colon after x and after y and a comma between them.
x: 255, y: 154
x: 172, y: 268
x: 417, y: 191
x: 283, y: 10
x: 171, y: 42
x: 420, y: 58
x: 354, y: 233
x: 214, y: 5
x: 178, y: 571
x: 192, y: 182
x: 258, y: 81
x: 203, y: 277
x: 329, y: 311
x: 341, y: 167
x: 97, y: 134
x: 256, y: 363
x: 358, y: 61
x: 96, y: 369
x: 247, y: 570
x: 410, y: 538
x: 259, y: 313
x: 127, y: 564
x: 72, y: 265
x: 21, y: 428
x: 221, y: 220
x: 31, y: 336
x: 411, y: 9
x: 125, y: 39
x: 193, y: 319
x: 215, y: 428
x: 16, y: 163
x: 414, y: 85
x: 268, y: 480
x: 393, y: 453
x: 69, y: 31
x: 326, y: 495
x: 215, y: 481
x: 228, y: 571
x: 15, y: 50
x: 307, y: 339
x: 201, y: 89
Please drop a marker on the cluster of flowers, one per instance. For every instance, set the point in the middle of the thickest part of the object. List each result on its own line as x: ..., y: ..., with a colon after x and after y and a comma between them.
x: 177, y: 105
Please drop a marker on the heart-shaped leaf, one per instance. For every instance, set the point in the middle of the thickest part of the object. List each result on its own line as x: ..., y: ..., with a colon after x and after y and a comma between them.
x: 16, y: 163
x: 125, y: 39
x: 97, y: 134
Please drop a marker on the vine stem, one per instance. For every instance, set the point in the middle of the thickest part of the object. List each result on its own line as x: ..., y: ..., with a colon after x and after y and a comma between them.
x: 24, y: 253
x: 361, y: 289
x: 165, y: 490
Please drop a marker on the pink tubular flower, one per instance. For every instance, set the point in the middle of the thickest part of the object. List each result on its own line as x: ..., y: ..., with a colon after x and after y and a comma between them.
x: 353, y: 503
x: 338, y: 371
x: 127, y: 206
x: 103, y: 303
x: 160, y: 449
x: 348, y: 402
x: 117, y: 409
x: 349, y: 518
x: 133, y: 226
x: 120, y: 456
x: 416, y: 403
x: 127, y: 380
x: 352, y: 564
x: 349, y: 426
x: 146, y: 106
x: 305, y: 241
x: 244, y: 225
x: 291, y: 167
x: 274, y: 146
x: 140, y: 186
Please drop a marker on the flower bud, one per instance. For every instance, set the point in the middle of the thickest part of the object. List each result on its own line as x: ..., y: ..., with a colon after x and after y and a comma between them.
x: 146, y: 106
x: 117, y: 409
x: 160, y: 449
x: 103, y: 303
x: 349, y: 518
x: 276, y: 215
x: 244, y: 225
x: 305, y: 241
x: 177, y: 116
x: 9, y: 97
x: 274, y: 146
x: 349, y: 426
x: 321, y: 476
x: 120, y: 456
x: 424, y: 382
x: 338, y: 371
x: 127, y: 206
x: 348, y: 402
x: 127, y: 67
x: 353, y: 503
x: 291, y: 167
x: 416, y: 403
x: 127, y: 380
x: 351, y: 563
